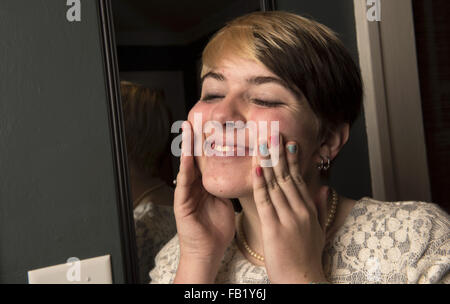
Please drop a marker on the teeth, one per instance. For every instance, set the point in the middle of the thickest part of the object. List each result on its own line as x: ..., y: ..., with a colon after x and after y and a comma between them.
x: 223, y: 148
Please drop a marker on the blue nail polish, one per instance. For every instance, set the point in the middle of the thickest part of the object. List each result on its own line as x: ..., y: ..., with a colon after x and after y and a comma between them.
x: 263, y: 149
x: 292, y: 148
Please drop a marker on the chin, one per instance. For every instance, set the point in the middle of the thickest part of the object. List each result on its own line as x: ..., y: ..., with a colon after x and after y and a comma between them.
x: 226, y: 187
x: 226, y: 177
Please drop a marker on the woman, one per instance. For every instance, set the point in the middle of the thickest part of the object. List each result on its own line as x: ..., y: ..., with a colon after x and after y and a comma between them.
x: 147, y: 128
x: 277, y: 66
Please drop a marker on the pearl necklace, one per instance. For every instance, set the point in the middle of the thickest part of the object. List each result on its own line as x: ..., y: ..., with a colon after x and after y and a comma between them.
x: 331, y: 214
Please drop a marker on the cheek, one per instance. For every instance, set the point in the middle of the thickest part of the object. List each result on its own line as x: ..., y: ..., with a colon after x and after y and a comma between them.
x: 261, y: 116
x: 293, y: 127
x: 301, y: 129
x: 198, y: 108
x: 197, y: 117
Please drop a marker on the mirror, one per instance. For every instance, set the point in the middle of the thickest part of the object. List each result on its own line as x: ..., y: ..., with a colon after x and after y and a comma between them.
x: 159, y: 45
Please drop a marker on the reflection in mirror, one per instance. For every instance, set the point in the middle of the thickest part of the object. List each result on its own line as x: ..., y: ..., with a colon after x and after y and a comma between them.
x: 159, y: 46
x: 147, y: 129
x: 296, y: 73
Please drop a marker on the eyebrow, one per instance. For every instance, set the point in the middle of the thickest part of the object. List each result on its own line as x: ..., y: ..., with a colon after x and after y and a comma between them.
x: 213, y: 75
x: 258, y: 80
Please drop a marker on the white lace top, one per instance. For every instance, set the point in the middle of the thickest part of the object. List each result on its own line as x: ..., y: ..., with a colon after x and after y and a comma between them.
x: 154, y: 223
x: 379, y: 242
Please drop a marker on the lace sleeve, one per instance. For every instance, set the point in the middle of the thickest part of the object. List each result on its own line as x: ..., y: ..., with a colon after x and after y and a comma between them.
x: 432, y: 263
x: 391, y: 243
x: 445, y: 279
x: 166, y: 263
x: 154, y: 226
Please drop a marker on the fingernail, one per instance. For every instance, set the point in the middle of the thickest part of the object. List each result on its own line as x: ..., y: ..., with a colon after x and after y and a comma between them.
x: 292, y: 148
x: 259, y: 171
x: 263, y: 149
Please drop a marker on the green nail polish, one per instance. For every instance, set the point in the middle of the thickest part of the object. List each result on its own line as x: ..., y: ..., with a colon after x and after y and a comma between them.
x: 263, y: 149
x: 292, y: 148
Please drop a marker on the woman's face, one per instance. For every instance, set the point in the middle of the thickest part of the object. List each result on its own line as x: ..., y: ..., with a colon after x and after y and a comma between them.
x: 244, y: 90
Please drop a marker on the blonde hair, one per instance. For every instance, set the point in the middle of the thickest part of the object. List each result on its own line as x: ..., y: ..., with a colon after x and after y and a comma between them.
x: 307, y: 55
x: 147, y: 125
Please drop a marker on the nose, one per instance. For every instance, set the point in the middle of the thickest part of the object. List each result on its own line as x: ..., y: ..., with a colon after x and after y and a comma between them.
x: 232, y: 112
x: 230, y: 109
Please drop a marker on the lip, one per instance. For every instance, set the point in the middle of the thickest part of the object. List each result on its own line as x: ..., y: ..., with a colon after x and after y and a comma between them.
x: 228, y: 150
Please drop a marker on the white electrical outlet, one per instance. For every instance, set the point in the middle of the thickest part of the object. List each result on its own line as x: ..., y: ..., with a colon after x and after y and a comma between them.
x: 90, y: 271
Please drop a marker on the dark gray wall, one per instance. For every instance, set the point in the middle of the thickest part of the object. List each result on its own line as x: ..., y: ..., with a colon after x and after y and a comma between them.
x: 350, y: 173
x: 57, y: 187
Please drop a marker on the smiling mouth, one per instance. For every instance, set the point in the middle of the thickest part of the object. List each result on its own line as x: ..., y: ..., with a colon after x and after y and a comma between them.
x: 229, y: 150
x: 221, y: 148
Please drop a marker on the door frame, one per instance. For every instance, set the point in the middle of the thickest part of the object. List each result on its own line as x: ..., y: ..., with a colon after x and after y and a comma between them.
x: 392, y: 103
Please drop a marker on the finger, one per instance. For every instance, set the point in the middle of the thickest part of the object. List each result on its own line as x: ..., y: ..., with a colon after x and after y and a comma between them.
x: 276, y: 194
x: 187, y: 173
x: 284, y: 178
x: 293, y: 158
x: 266, y: 211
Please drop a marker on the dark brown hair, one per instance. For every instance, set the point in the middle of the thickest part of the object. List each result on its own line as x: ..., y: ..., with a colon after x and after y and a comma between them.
x: 147, y: 125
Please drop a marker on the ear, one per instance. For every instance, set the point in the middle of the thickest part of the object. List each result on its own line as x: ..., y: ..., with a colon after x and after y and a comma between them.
x: 333, y: 141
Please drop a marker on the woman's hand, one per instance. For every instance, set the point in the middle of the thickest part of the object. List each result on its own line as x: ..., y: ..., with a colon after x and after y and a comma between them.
x: 205, y: 223
x: 292, y: 225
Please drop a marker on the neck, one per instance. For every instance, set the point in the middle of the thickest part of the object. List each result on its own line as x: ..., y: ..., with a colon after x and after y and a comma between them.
x: 139, y: 183
x: 252, y: 227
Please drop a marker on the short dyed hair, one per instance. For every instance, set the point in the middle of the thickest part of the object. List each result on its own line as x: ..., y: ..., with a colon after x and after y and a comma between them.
x: 147, y: 125
x: 305, y: 54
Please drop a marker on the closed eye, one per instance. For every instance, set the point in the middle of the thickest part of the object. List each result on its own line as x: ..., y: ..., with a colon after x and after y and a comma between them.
x: 211, y: 97
x: 269, y: 104
x: 259, y: 102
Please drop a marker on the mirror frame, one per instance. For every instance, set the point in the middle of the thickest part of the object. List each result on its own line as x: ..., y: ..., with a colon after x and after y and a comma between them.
x: 124, y: 204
